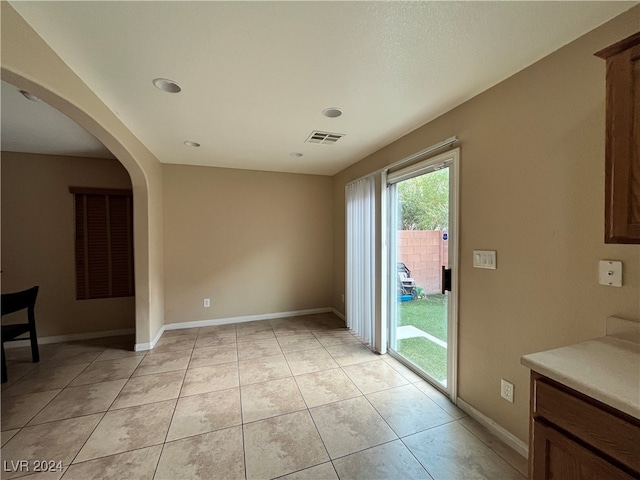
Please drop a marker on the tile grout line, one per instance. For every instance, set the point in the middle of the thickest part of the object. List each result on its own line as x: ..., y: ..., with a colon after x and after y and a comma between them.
x: 67, y: 386
x: 61, y: 390
x: 41, y: 409
x: 307, y: 409
x: 489, y: 446
x: 244, y: 442
x: 242, y: 417
x: 86, y: 440
x: 104, y: 414
x: 315, y: 425
x: 414, y: 455
x: 377, y: 412
x: 155, y: 470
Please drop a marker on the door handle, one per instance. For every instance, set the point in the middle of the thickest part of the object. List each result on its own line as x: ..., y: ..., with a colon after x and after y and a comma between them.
x: 446, y: 279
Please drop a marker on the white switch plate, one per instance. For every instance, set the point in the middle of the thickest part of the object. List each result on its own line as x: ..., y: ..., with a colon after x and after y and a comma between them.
x: 610, y: 273
x: 484, y: 259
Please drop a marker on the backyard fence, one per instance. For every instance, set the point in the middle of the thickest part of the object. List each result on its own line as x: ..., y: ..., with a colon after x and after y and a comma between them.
x: 424, y: 252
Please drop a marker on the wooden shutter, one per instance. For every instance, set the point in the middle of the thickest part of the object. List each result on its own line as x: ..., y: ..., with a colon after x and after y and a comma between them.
x: 103, y: 243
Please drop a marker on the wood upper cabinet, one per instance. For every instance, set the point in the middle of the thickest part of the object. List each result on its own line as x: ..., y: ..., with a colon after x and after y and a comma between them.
x: 622, y: 187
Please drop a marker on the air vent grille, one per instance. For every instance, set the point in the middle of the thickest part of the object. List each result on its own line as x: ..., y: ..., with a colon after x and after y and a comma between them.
x: 325, y: 138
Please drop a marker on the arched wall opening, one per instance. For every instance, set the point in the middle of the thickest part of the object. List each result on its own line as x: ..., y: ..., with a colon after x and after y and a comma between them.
x: 42, y: 242
x: 30, y: 64
x: 140, y: 194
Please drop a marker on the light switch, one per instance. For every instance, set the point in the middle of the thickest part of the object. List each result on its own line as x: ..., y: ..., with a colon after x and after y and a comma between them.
x: 484, y: 259
x: 610, y: 273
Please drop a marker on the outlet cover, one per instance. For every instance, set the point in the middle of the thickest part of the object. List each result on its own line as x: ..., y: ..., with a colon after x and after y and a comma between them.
x: 610, y: 273
x: 506, y: 390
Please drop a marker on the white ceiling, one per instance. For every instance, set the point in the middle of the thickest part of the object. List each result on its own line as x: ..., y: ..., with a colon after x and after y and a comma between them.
x: 36, y: 127
x: 255, y: 76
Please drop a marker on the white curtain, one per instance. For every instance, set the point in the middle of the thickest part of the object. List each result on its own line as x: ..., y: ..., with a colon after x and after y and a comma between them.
x: 360, y: 199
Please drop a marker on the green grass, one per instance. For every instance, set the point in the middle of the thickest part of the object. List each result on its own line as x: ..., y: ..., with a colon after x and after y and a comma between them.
x: 427, y: 355
x: 429, y: 315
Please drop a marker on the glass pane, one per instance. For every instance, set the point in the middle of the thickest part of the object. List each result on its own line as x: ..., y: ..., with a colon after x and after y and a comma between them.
x: 421, y: 310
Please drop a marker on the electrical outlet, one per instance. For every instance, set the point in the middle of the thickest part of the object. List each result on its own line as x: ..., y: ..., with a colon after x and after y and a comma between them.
x: 342, y: 298
x: 207, y: 302
x: 506, y: 390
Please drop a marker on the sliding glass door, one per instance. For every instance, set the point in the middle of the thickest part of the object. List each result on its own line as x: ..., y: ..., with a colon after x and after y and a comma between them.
x: 422, y: 246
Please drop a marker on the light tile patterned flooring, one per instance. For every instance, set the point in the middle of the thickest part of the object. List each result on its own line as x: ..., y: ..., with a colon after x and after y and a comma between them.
x: 299, y: 398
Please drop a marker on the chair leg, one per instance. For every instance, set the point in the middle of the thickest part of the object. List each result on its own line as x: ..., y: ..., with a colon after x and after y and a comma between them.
x: 35, y: 354
x: 4, y: 365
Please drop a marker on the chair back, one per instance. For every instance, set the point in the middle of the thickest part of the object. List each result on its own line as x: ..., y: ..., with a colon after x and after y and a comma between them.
x: 13, y: 302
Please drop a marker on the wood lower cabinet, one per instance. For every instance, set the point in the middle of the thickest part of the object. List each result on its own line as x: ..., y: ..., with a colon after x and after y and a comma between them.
x: 574, y: 437
x: 558, y: 456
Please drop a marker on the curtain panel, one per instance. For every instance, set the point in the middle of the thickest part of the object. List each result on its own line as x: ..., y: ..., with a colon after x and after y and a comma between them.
x: 360, y: 269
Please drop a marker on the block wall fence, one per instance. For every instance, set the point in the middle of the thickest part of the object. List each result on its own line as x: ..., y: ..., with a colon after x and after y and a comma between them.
x: 424, y: 252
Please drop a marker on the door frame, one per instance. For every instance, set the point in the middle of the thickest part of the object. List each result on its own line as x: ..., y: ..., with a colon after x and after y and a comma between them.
x: 451, y: 158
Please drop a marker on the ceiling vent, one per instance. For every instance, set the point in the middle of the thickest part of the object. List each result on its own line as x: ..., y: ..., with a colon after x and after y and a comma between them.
x: 325, y: 138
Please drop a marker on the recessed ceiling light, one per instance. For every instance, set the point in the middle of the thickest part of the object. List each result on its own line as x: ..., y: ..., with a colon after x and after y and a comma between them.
x: 29, y: 96
x: 189, y: 143
x: 167, y: 85
x: 295, y: 154
x: 332, y: 112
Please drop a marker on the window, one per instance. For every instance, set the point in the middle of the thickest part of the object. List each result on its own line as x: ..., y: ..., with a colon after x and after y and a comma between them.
x: 103, y: 243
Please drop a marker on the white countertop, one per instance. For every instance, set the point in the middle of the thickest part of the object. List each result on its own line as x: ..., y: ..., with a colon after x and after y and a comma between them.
x: 607, y: 368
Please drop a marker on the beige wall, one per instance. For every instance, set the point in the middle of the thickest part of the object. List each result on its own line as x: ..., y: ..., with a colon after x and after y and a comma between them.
x: 38, y: 239
x: 532, y: 188
x: 30, y: 64
x: 253, y: 242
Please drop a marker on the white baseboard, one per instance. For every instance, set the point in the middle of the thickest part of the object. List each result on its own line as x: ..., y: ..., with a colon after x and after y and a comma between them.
x: 245, y: 318
x: 171, y: 326
x: 140, y: 347
x: 71, y: 338
x: 504, y: 435
x: 339, y: 314
x: 227, y: 320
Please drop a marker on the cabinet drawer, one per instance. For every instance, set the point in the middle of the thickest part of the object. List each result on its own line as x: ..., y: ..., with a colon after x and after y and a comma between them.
x: 557, y: 456
x: 611, y: 434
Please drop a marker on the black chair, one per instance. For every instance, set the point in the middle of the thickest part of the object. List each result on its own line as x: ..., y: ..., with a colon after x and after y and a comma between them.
x: 14, y: 302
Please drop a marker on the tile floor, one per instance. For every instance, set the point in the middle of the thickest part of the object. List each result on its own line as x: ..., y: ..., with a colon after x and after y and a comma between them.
x: 298, y: 398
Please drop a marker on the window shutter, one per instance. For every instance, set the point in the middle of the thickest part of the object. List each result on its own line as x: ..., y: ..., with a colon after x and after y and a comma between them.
x: 82, y: 278
x: 121, y: 246
x: 104, y: 243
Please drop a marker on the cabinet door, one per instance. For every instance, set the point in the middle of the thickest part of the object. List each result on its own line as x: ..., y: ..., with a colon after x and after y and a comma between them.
x: 556, y: 456
x: 622, y: 187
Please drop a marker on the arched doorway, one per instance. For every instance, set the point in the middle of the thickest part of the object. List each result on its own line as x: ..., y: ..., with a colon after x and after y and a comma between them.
x: 39, y: 213
x: 67, y: 218
x: 30, y: 64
